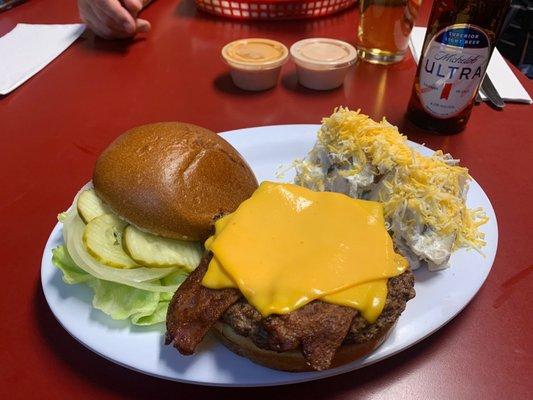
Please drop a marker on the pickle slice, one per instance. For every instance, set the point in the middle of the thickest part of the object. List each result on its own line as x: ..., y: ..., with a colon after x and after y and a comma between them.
x: 155, y: 251
x: 90, y: 206
x: 102, y: 238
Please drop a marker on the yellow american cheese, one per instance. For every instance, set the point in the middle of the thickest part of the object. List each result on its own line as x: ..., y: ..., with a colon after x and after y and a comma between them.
x: 287, y: 246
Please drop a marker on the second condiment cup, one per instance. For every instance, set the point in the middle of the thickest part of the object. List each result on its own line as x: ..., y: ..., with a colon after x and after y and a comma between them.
x: 321, y: 63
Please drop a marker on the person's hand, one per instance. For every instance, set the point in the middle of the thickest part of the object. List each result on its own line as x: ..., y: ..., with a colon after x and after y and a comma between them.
x: 112, y: 19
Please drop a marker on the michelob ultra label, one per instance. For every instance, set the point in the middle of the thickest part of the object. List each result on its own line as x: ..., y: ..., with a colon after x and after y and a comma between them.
x: 453, y: 65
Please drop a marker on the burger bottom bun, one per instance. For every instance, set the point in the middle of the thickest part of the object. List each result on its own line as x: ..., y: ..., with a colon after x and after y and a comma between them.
x: 291, y: 361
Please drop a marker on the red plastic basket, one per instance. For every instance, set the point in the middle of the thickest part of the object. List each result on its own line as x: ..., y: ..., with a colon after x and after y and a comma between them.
x: 273, y: 9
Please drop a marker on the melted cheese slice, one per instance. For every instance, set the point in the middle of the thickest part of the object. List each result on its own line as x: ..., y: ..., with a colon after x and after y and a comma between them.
x: 287, y: 246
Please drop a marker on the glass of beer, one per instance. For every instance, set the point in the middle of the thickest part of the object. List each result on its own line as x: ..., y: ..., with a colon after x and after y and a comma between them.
x: 383, y: 29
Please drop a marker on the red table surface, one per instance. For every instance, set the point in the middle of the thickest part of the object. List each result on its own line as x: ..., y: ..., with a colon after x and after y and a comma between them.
x: 53, y: 127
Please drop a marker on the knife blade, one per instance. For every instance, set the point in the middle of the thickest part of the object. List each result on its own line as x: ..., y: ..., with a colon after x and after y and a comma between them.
x: 488, y: 89
x: 6, y: 5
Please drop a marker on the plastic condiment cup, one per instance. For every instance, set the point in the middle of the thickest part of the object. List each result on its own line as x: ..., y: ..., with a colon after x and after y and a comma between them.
x: 255, y: 63
x: 322, y: 63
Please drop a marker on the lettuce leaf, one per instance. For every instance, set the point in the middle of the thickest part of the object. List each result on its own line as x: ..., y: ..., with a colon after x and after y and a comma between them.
x: 141, y: 307
x: 71, y: 272
x: 175, y: 278
x: 159, y: 315
x: 122, y: 302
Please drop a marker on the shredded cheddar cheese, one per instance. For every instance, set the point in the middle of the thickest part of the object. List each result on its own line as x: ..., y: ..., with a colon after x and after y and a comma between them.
x: 433, y: 188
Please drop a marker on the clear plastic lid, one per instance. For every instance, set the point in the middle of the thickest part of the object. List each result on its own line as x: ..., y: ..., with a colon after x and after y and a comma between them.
x: 323, y: 53
x: 255, y: 54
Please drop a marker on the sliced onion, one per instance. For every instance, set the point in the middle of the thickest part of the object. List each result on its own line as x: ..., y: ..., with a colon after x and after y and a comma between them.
x: 141, y: 278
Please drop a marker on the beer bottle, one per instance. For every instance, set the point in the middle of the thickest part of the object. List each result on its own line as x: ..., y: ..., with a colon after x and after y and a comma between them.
x: 460, y: 38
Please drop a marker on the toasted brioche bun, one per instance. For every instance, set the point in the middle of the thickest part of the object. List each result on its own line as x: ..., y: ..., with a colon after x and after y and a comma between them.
x: 172, y: 179
x: 291, y: 361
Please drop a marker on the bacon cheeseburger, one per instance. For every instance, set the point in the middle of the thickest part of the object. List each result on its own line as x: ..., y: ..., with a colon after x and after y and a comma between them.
x: 294, y: 280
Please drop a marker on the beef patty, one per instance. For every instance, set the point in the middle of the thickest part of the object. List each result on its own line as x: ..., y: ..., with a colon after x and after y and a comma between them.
x: 247, y: 321
x: 317, y: 329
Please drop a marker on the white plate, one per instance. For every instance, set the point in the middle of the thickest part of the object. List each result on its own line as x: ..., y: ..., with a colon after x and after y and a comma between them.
x: 439, y: 295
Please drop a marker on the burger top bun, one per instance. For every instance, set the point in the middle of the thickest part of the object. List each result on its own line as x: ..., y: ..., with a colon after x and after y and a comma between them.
x: 172, y: 179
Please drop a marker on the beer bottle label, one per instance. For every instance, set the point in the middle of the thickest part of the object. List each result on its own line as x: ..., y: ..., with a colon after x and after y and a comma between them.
x: 453, y: 65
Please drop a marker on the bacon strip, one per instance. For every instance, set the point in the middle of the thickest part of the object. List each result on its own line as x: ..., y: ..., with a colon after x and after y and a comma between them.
x: 319, y: 327
x: 194, y: 309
